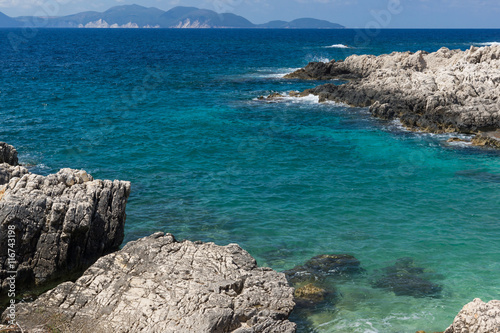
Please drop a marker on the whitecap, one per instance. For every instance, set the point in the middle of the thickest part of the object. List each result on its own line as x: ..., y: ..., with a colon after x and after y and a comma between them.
x: 320, y: 59
x: 278, y: 73
x: 338, y: 46
x: 309, y: 99
x: 489, y: 44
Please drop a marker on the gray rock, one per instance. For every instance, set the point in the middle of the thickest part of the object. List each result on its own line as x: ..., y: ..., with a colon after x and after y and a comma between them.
x: 444, y: 91
x: 7, y: 172
x: 477, y: 317
x: 62, y: 222
x: 157, y: 284
x: 8, y: 154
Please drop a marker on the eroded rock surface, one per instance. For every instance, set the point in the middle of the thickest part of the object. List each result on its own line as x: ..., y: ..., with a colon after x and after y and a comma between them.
x: 8, y: 154
x: 157, y: 284
x: 444, y: 91
x: 477, y: 317
x: 62, y: 223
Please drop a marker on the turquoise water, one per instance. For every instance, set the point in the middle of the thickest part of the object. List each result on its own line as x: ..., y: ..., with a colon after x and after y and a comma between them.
x: 175, y: 112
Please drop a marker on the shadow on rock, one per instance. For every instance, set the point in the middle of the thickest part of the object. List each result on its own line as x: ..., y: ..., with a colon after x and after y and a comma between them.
x: 406, y: 279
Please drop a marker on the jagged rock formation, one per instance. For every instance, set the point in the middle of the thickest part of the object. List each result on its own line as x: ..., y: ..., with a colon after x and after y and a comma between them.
x: 62, y: 223
x: 157, y: 284
x: 477, y: 316
x: 8, y: 154
x: 444, y: 91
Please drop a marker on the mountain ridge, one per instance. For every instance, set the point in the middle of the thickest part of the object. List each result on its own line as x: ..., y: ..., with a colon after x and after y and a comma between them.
x: 136, y: 16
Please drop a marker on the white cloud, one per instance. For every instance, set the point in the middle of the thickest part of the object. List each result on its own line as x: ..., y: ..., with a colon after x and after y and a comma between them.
x: 28, y: 4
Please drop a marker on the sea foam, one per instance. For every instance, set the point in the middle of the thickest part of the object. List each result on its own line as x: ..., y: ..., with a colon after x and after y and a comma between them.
x: 338, y: 46
x: 489, y: 43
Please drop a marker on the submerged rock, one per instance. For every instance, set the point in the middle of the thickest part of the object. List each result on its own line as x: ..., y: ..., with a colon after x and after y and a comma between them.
x: 311, y: 296
x: 444, y: 91
x: 404, y: 278
x: 455, y: 139
x: 157, y: 284
x: 314, y: 281
x: 57, y: 224
x: 310, y: 292
x: 477, y: 316
x: 8, y: 154
x: 319, y: 267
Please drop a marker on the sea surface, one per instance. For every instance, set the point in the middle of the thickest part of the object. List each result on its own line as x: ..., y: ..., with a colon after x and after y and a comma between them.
x: 176, y: 113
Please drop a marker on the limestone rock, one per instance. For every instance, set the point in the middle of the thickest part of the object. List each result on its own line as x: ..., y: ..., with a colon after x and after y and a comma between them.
x: 62, y: 223
x: 157, y: 284
x: 477, y: 317
x: 8, y: 154
x: 444, y: 91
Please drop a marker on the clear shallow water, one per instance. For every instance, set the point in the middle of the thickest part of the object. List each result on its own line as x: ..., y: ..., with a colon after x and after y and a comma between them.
x: 175, y: 113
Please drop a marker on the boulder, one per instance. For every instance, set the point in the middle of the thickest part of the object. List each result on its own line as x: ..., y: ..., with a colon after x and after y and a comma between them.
x: 8, y: 154
x: 477, y: 317
x: 56, y: 225
x: 157, y: 284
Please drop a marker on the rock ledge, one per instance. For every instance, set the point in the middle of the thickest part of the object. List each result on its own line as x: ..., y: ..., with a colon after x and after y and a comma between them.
x: 157, y: 284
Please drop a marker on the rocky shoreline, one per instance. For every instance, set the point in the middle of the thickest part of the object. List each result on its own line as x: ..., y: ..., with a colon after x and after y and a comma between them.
x: 68, y: 222
x: 442, y: 92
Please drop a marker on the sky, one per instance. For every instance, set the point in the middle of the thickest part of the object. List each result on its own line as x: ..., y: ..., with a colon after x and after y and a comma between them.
x: 350, y: 13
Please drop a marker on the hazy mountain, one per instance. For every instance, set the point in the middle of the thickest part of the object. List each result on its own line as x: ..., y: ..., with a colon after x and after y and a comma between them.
x: 303, y: 23
x: 7, y: 22
x: 191, y: 17
x: 135, y: 16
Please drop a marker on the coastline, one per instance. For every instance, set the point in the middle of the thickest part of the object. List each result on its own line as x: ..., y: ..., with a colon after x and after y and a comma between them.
x: 165, y: 200
x: 442, y: 92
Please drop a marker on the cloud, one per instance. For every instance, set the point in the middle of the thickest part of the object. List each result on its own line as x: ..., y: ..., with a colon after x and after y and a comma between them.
x: 29, y: 4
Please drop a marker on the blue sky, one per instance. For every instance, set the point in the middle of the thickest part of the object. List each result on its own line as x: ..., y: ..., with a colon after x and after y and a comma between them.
x: 351, y: 13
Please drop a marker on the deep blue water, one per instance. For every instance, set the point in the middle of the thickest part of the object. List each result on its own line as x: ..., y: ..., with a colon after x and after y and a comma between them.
x: 175, y: 112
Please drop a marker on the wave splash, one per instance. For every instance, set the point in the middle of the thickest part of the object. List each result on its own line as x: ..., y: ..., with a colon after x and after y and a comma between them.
x: 338, y: 46
x: 489, y: 44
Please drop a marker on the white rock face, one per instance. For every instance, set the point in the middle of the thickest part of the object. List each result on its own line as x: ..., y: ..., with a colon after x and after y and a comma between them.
x: 477, y: 317
x: 102, y: 24
x: 157, y: 284
x: 187, y: 24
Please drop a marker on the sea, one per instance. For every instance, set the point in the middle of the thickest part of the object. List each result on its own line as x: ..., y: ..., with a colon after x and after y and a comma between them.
x: 177, y: 113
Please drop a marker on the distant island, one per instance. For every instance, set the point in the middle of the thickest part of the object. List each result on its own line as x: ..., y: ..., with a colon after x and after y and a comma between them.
x: 135, y: 16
